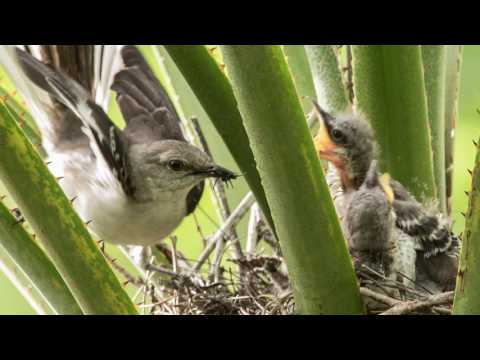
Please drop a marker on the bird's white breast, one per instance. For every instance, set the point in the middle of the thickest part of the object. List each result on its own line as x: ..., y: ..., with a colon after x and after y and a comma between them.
x: 111, y: 215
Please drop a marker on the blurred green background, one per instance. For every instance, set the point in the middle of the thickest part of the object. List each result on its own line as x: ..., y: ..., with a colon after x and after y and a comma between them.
x: 468, y: 129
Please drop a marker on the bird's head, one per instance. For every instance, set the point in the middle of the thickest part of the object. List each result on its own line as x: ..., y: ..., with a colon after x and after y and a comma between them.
x: 374, y: 180
x: 346, y: 141
x: 172, y: 165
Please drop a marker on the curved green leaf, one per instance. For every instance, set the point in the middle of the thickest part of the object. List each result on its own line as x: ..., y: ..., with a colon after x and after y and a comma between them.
x: 300, y: 69
x: 331, y: 93
x: 64, y: 237
x: 467, y: 292
x: 309, y: 232
x: 35, y: 265
x: 390, y: 91
x: 452, y: 90
x: 215, y: 93
x: 434, y: 71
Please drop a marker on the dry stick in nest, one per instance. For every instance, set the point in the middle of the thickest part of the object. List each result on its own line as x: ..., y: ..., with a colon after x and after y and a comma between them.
x: 380, y: 281
x: 218, y: 189
x: 190, y: 296
x: 407, y: 307
x: 182, y: 262
x: 412, y: 306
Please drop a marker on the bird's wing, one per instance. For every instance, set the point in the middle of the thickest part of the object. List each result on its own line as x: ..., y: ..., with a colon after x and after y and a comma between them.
x: 147, y: 109
x: 107, y: 63
x: 431, y: 229
x: 105, y: 138
x: 89, y: 65
x: 144, y: 103
x: 35, y: 101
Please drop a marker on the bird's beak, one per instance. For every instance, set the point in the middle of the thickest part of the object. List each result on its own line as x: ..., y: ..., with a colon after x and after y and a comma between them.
x: 384, y: 181
x: 218, y: 172
x: 323, y: 142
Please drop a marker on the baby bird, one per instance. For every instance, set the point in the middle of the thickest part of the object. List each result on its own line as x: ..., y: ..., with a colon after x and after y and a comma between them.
x: 376, y: 242
x: 370, y: 222
x: 347, y: 142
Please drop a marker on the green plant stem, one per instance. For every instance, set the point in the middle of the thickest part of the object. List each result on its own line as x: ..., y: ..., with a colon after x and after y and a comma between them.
x: 35, y: 265
x: 390, y: 91
x: 215, y: 93
x: 64, y: 236
x: 25, y: 119
x: 309, y: 232
x: 327, y: 76
x: 452, y: 90
x: 467, y: 292
x: 18, y: 279
x: 300, y: 69
x: 435, y: 75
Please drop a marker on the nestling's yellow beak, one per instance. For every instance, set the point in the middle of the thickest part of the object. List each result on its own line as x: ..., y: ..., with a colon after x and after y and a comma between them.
x: 325, y: 146
x: 384, y: 181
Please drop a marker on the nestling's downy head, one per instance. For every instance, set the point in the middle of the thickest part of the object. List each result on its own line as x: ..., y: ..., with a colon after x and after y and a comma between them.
x: 347, y: 141
x: 173, y: 165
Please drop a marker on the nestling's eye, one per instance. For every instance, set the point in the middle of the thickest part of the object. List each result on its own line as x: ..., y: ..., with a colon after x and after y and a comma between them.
x: 338, y: 136
x: 176, y: 165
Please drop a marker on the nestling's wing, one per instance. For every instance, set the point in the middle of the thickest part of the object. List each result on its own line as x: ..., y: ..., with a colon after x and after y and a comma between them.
x: 432, y: 230
x: 147, y: 109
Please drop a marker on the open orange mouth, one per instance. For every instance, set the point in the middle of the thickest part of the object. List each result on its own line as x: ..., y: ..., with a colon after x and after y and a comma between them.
x: 326, y: 147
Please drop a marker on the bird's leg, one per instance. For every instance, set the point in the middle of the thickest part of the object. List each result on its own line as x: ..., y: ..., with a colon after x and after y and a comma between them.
x: 140, y: 255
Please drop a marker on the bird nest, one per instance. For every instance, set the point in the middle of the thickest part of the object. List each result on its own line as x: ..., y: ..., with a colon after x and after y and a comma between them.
x: 258, y: 284
x: 384, y: 296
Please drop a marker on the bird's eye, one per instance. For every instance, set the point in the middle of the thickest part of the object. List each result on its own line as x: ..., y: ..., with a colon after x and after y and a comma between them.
x: 338, y: 136
x: 176, y: 165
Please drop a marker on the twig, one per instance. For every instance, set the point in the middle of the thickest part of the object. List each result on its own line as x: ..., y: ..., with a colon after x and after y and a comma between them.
x: 442, y: 311
x: 387, y: 282
x: 147, y: 282
x: 182, y: 262
x: 199, y: 229
x: 411, y: 306
x: 174, y: 253
x: 217, y: 259
x: 232, y: 221
x: 220, y: 197
x: 252, y: 233
x: 384, y: 299
x: 162, y: 270
x: 266, y: 234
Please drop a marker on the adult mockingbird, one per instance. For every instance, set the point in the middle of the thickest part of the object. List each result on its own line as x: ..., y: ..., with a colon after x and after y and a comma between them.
x: 347, y: 142
x: 135, y: 185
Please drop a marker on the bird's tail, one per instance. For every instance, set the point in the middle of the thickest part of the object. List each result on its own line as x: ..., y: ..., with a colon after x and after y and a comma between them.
x: 91, y: 66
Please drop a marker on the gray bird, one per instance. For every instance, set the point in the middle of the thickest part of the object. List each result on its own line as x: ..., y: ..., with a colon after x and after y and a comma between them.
x: 347, y: 142
x: 370, y: 222
x: 376, y: 241
x: 135, y: 185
